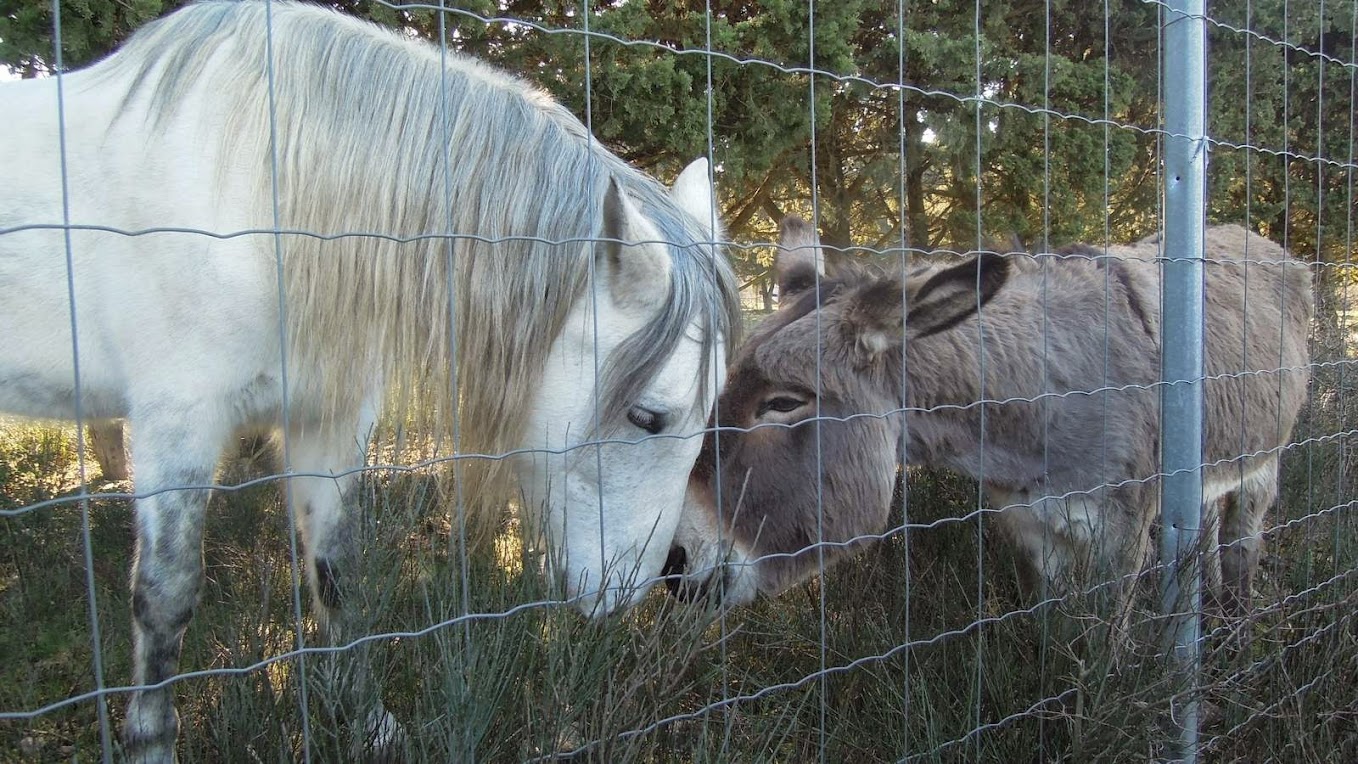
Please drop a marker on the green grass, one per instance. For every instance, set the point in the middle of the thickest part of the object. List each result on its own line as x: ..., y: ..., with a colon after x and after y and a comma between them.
x: 546, y: 681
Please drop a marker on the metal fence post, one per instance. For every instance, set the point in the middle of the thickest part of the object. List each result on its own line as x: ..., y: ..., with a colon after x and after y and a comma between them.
x: 1181, y: 398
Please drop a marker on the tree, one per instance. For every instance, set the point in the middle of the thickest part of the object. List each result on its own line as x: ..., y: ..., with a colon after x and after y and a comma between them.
x: 1050, y: 137
x: 89, y: 30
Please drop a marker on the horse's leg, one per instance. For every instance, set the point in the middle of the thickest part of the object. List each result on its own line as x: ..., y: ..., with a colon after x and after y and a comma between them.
x: 326, y: 520
x: 1242, y: 537
x: 320, y: 505
x: 177, y: 446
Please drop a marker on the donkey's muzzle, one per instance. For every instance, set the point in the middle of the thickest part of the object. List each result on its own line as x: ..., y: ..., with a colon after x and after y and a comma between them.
x: 682, y: 586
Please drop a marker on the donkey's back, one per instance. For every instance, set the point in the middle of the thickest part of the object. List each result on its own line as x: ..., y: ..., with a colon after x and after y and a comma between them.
x: 1258, y: 309
x: 1258, y: 314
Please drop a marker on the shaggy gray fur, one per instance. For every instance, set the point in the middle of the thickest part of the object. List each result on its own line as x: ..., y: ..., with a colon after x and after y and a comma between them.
x: 1075, y: 375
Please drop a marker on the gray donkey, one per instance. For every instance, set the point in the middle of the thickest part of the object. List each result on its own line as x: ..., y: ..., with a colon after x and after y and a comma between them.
x: 1065, y: 351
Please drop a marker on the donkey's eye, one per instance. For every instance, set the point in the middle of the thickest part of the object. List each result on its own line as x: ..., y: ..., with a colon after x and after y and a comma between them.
x: 782, y: 404
x: 650, y: 420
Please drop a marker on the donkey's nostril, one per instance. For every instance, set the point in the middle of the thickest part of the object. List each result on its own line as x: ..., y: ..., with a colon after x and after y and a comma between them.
x: 674, y: 568
x: 675, y: 562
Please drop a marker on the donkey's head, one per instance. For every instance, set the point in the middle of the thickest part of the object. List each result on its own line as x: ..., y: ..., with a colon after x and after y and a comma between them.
x: 810, y: 419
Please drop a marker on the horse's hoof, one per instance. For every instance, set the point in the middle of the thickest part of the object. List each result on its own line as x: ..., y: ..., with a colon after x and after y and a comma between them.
x: 139, y: 752
x: 384, y: 739
x: 148, y: 734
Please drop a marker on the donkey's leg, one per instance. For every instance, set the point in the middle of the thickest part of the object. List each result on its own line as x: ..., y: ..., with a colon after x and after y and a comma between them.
x: 1129, y: 540
x: 1105, y: 536
x: 177, y: 446
x: 1049, y: 559
x: 1026, y: 523
x: 1242, y: 537
x: 1214, y: 507
x: 1044, y: 563
x: 324, y: 508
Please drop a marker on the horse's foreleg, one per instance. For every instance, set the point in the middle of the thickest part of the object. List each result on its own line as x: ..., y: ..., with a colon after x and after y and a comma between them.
x: 322, y: 509
x: 167, y: 572
x: 326, y: 513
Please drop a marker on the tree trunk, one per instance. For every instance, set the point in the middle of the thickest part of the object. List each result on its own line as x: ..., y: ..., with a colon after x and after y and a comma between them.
x: 106, y: 440
x: 916, y: 222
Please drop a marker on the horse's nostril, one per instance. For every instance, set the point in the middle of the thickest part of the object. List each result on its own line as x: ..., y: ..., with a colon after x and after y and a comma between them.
x: 674, y: 568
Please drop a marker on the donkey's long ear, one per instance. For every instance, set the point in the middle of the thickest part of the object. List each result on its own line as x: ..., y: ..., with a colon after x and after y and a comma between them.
x: 636, y: 274
x: 936, y: 302
x: 872, y: 317
x: 945, y: 298
x: 799, y: 257
x: 697, y: 196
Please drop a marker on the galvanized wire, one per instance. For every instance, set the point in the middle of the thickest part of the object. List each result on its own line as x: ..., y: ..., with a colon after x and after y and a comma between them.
x: 1038, y: 710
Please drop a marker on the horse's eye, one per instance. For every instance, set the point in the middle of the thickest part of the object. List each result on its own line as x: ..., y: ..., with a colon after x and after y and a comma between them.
x: 646, y: 419
x: 782, y: 404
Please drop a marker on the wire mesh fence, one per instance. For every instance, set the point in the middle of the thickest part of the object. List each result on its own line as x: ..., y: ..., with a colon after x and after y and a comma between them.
x: 919, y: 528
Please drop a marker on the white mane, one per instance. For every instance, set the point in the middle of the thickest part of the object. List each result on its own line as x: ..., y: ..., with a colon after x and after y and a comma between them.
x: 437, y: 205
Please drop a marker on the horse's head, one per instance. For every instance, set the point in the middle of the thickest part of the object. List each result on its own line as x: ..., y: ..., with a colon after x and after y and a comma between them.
x: 626, y: 390
x: 810, y: 420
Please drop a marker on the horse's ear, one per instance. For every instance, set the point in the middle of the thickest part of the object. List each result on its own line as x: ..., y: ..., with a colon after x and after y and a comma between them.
x: 636, y: 263
x: 696, y: 195
x: 799, y: 257
x: 942, y: 299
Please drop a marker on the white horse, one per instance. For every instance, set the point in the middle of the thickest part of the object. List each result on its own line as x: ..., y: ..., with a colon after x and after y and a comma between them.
x: 279, y: 216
